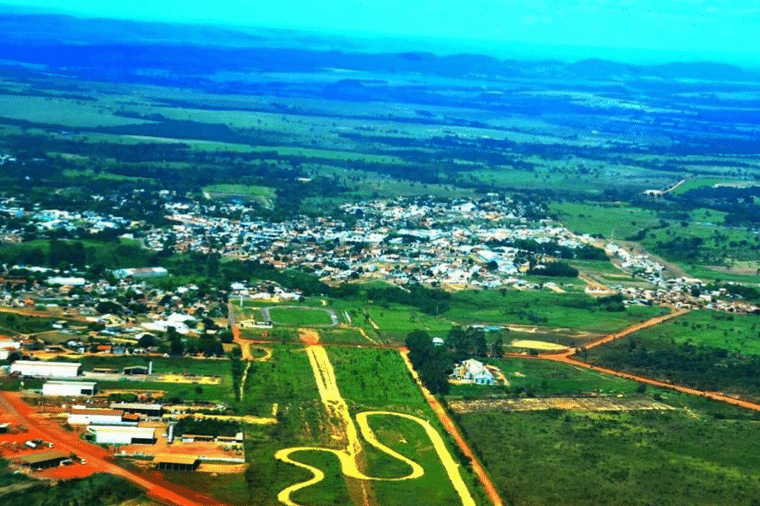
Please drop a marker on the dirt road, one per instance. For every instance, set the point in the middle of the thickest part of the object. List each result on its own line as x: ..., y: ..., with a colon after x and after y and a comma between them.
x: 99, y: 458
x: 630, y: 330
x: 452, y: 429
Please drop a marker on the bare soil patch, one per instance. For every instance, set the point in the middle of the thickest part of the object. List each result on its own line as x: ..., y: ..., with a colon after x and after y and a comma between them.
x: 566, y: 403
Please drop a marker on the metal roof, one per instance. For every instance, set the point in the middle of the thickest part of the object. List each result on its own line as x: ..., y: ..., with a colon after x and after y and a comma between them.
x: 37, y: 458
x: 171, y: 458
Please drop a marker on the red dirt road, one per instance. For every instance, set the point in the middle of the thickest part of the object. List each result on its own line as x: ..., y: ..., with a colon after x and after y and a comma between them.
x: 567, y: 358
x: 98, y: 459
x: 452, y: 429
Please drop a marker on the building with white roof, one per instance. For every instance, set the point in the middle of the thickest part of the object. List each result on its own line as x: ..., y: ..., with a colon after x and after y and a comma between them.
x: 122, y: 435
x: 69, y: 388
x: 46, y: 369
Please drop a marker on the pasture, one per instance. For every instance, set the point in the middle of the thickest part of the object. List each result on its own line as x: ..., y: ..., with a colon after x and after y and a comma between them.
x: 631, y: 458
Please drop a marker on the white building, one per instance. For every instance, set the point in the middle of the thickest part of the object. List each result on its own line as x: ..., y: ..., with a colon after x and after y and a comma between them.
x: 84, y: 416
x: 474, y: 371
x: 7, y: 347
x: 46, y: 369
x: 69, y: 388
x: 122, y: 435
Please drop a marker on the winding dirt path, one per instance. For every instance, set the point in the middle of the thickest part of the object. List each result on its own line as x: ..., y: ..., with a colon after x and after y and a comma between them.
x: 343, y: 428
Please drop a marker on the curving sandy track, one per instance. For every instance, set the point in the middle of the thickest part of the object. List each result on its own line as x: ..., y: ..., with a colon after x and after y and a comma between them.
x: 343, y: 427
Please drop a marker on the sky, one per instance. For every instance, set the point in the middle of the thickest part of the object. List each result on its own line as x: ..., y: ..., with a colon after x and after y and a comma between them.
x: 727, y: 30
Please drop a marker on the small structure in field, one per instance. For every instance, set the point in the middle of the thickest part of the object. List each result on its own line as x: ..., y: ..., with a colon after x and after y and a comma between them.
x: 473, y: 371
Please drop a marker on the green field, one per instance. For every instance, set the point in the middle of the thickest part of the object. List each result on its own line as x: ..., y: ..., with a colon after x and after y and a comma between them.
x: 299, y: 316
x: 239, y: 190
x: 547, y: 309
x: 735, y: 333
x: 686, y: 457
x: 692, y: 184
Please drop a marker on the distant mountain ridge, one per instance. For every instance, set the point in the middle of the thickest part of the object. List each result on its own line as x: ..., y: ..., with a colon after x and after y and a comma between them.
x: 59, y: 40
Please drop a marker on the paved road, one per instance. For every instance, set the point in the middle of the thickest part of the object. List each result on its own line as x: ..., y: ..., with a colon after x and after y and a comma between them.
x: 100, y: 458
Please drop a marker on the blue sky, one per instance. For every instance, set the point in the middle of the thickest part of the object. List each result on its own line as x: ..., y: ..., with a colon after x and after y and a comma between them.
x: 727, y: 30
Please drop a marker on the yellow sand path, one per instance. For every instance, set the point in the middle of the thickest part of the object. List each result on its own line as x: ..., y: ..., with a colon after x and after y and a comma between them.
x: 344, y: 429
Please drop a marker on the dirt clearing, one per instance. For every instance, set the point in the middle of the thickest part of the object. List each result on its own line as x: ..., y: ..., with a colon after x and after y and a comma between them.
x: 566, y: 403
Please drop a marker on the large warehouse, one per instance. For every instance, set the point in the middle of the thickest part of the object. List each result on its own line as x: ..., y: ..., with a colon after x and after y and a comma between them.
x: 82, y: 416
x: 122, y: 435
x: 42, y: 369
x: 69, y: 388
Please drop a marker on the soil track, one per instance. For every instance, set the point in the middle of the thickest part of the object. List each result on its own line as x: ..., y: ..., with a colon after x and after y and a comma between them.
x: 100, y: 459
x: 452, y: 429
x: 343, y: 428
x: 567, y: 358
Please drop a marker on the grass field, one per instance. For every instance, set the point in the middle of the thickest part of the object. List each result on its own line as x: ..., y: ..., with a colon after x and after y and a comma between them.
x: 633, y: 458
x: 374, y: 378
x: 299, y: 316
x: 263, y: 193
x: 735, y: 333
x: 547, y: 309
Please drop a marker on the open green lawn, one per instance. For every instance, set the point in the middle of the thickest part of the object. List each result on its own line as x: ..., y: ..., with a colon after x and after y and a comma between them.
x: 636, y: 458
x: 299, y: 316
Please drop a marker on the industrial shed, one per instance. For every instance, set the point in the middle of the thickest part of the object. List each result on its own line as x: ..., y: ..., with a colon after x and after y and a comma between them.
x: 43, y: 460
x: 69, y: 388
x: 171, y: 462
x: 80, y: 416
x: 154, y: 410
x: 43, y: 369
x: 122, y: 435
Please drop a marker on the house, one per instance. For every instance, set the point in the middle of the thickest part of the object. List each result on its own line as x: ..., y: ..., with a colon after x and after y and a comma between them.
x: 473, y: 371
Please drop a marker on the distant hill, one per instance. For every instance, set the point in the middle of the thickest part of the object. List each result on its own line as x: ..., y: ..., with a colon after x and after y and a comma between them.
x: 65, y: 41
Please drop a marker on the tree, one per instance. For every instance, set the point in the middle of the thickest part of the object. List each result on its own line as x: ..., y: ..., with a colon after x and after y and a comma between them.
x: 176, y: 348
x: 497, y: 348
x: 146, y: 341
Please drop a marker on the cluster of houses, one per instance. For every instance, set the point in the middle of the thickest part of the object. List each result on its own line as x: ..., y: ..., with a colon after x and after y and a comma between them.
x: 453, y: 242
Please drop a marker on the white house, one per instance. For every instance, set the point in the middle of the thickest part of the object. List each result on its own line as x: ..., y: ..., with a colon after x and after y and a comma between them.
x: 46, y: 369
x: 473, y: 371
x: 69, y: 388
